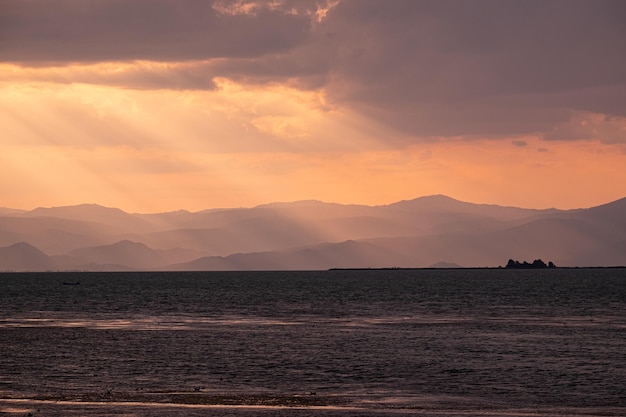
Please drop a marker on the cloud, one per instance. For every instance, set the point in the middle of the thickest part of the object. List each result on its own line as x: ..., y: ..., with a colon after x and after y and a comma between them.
x: 589, y: 126
x: 477, y: 68
x: 315, y: 9
x: 519, y: 143
x: 426, y: 69
x: 159, y: 30
x: 141, y: 75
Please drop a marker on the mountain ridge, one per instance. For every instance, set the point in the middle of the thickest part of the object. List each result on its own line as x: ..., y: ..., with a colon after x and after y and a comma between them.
x: 425, y: 198
x: 311, y: 234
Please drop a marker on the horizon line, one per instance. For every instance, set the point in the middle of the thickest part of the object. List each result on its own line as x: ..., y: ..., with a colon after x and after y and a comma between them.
x: 311, y: 200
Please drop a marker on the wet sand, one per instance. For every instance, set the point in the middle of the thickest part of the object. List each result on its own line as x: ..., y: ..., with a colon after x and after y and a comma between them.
x: 201, y: 404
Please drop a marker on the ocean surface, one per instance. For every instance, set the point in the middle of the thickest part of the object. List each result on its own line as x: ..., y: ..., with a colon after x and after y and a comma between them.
x: 466, y: 342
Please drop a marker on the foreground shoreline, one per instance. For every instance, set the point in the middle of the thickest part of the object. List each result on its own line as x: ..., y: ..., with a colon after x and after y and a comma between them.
x: 282, y: 406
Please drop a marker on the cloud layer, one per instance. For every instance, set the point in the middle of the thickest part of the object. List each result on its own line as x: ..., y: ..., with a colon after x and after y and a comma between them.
x: 425, y: 68
x: 158, y: 30
x: 196, y: 104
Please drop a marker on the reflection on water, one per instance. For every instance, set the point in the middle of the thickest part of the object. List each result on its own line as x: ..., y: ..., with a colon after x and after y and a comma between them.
x: 462, y: 342
x: 169, y: 322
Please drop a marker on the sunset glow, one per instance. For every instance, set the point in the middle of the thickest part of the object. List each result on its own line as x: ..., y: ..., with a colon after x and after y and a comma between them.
x: 168, y: 120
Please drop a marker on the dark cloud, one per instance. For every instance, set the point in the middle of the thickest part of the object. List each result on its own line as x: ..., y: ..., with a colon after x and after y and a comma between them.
x: 463, y: 50
x: 33, y: 31
x: 519, y: 143
x: 583, y: 126
x: 428, y: 68
x: 479, y: 67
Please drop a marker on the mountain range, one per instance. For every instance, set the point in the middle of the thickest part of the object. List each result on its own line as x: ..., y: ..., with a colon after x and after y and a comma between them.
x: 432, y: 231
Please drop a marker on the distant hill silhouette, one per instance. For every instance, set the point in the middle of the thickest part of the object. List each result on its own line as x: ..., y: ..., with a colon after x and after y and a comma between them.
x: 24, y: 257
x: 8, y: 211
x: 312, y: 235
x: 130, y: 254
x: 325, y: 256
x: 114, y: 218
x: 444, y: 264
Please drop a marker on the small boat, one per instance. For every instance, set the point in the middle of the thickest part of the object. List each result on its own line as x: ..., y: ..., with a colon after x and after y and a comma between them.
x: 71, y: 283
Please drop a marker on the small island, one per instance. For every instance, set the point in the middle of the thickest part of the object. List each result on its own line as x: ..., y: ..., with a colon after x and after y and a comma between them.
x: 536, y: 264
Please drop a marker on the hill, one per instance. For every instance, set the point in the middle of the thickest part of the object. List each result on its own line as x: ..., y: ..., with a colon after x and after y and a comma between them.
x: 125, y: 253
x: 24, y: 257
x: 314, y: 235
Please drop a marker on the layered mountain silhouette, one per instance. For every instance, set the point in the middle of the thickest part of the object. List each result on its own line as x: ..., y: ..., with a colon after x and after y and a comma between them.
x: 433, y: 231
x: 21, y: 255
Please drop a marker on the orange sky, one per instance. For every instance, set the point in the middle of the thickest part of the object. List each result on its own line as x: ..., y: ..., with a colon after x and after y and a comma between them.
x: 161, y: 133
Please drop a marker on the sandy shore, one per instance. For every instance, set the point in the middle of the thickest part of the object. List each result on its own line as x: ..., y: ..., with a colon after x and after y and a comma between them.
x: 198, y: 404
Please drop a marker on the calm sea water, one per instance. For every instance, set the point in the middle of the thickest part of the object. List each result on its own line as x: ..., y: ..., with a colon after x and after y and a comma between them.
x: 331, y: 343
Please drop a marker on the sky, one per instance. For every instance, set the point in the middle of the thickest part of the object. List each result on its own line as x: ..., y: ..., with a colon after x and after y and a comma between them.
x: 160, y: 105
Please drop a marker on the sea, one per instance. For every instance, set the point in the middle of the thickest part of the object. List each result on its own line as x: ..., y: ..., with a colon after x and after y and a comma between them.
x: 429, y: 342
